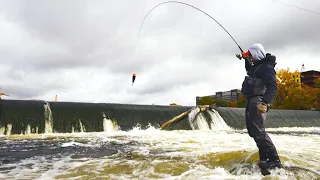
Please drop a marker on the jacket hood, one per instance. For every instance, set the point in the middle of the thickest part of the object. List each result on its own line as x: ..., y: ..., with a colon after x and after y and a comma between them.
x: 270, y: 59
x: 257, y: 51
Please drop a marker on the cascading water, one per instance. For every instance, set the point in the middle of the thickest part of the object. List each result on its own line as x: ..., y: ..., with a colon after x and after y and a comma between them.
x: 48, y: 118
x: 199, y: 121
x: 9, y: 129
x: 217, y: 122
x: 78, y: 127
x: 192, y: 117
x: 6, y: 130
x: 82, y: 128
x: 2, y: 130
x: 28, y: 129
x: 109, y: 125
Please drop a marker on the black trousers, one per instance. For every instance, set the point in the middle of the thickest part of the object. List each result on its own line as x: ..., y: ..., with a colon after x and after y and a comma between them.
x: 255, y: 126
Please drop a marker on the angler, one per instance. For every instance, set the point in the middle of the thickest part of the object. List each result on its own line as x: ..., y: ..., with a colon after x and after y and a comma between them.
x: 259, y: 87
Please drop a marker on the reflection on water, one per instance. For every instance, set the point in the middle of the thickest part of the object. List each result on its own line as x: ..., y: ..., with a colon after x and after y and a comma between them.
x: 156, y: 154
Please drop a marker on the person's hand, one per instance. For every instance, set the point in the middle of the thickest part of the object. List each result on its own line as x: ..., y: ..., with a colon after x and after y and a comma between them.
x: 246, y: 54
x: 263, y: 107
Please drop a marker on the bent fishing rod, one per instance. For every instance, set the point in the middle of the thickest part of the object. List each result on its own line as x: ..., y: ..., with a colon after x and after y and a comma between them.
x: 178, y: 2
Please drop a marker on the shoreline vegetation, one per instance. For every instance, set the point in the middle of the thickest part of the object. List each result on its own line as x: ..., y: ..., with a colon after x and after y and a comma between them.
x: 291, y: 95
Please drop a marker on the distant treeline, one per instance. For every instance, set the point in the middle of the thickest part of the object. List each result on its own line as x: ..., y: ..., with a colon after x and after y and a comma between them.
x: 291, y: 94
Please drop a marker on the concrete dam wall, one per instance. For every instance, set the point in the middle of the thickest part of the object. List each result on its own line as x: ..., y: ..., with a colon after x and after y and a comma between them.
x: 26, y: 116
x: 20, y: 116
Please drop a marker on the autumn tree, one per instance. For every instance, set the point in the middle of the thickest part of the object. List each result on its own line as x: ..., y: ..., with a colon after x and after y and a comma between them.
x: 318, y: 101
x: 206, y: 100
x: 241, y: 102
x: 221, y: 103
x: 231, y: 104
x: 292, y: 94
x: 317, y: 83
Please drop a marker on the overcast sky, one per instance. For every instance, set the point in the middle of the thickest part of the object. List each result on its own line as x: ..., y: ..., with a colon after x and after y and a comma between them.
x: 87, y: 51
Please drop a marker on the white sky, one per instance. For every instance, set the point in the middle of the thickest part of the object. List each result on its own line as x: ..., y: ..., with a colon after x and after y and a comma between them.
x: 87, y: 51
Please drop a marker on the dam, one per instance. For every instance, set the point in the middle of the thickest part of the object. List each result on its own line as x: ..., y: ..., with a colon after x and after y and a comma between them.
x: 25, y: 117
x: 74, y: 140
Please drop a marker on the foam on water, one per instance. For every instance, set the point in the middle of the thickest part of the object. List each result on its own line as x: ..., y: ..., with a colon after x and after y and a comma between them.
x: 158, y: 154
x: 72, y: 143
x: 296, y: 129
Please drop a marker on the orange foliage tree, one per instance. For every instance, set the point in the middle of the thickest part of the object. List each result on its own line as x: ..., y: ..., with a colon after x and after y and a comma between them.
x: 292, y: 94
x: 241, y: 102
x: 231, y: 104
x: 317, y: 83
x: 207, y: 100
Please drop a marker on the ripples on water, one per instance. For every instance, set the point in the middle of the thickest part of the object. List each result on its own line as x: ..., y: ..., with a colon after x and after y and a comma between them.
x: 156, y: 154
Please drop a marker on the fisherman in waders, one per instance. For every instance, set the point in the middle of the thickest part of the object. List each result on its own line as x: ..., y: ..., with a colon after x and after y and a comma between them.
x: 259, y: 88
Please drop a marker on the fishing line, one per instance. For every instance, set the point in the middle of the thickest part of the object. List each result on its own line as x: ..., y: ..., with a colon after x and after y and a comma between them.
x: 297, y: 7
x: 194, y: 8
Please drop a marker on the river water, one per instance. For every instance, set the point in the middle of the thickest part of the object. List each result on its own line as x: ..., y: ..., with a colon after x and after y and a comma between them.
x: 156, y: 154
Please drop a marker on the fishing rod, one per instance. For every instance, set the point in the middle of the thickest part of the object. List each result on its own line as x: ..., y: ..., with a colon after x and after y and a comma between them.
x: 178, y: 2
x: 240, y: 56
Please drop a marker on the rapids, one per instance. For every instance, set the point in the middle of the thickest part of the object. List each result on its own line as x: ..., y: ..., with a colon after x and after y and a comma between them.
x: 40, y: 140
x: 156, y: 154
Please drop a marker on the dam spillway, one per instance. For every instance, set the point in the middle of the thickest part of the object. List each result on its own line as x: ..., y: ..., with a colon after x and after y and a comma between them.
x: 21, y: 116
x: 26, y: 116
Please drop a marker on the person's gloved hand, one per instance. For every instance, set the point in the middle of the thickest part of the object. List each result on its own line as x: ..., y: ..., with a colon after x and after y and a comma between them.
x: 263, y: 107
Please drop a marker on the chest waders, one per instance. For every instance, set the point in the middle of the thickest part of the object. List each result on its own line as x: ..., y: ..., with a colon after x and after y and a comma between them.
x: 253, y: 86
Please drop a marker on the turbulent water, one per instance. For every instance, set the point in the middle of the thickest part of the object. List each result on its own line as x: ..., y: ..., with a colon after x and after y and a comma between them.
x: 212, y: 150
x: 157, y: 154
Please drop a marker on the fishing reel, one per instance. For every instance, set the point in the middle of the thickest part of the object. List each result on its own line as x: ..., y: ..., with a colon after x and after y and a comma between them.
x: 239, y: 56
x: 243, y: 55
